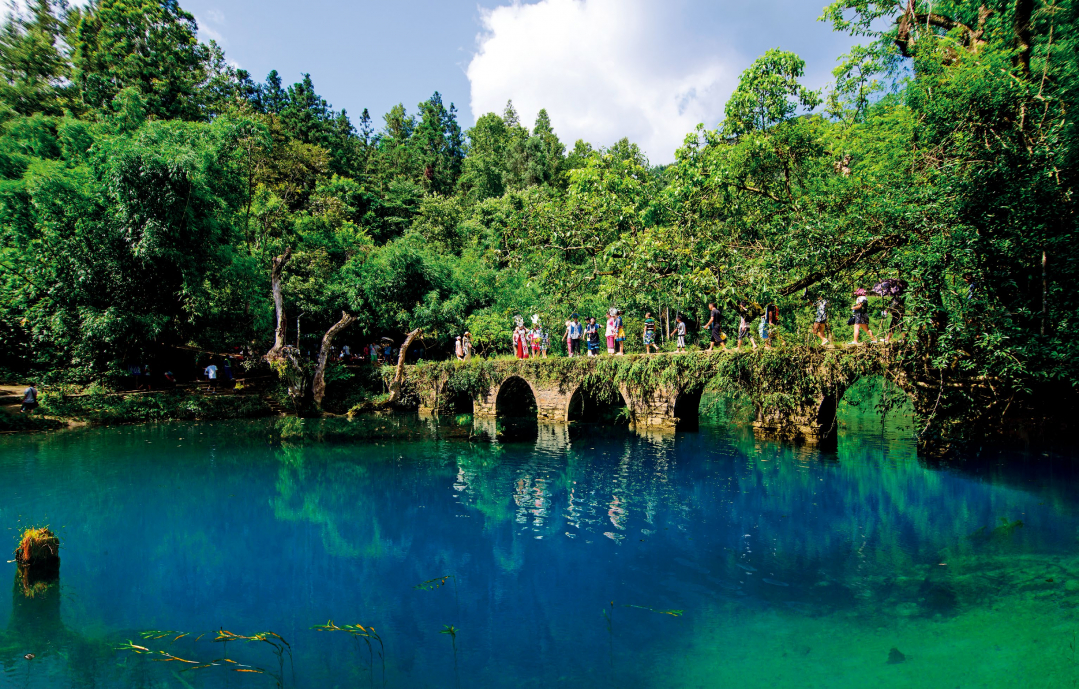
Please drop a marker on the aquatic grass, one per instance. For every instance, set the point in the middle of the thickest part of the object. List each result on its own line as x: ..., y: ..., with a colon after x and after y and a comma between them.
x: 367, y: 634
x: 452, y: 632
x: 439, y: 582
x: 38, y: 547
x: 275, y: 641
x: 672, y: 613
x: 609, y: 618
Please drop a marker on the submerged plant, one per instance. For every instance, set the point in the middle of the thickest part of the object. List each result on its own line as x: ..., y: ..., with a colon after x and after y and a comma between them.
x: 609, y: 617
x: 439, y: 582
x: 367, y: 634
x: 39, y: 548
x: 452, y: 631
x: 276, y: 642
x: 672, y: 613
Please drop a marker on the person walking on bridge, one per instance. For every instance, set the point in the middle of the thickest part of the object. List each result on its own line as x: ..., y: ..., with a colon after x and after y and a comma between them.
x: 573, y: 335
x: 520, y: 342
x: 649, y: 333
x: 591, y: 332
x: 820, y: 321
x: 536, y: 338
x: 744, y: 331
x: 612, y: 331
x: 860, y: 316
x: 715, y: 322
x: 680, y: 331
x: 466, y: 345
x: 620, y: 333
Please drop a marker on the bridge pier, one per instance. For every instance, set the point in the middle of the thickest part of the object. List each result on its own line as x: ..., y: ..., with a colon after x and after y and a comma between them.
x: 813, y: 424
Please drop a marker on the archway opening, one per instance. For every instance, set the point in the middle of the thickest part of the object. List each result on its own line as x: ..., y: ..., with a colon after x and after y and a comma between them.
x: 516, y: 410
x: 515, y: 400
x: 873, y: 406
x: 726, y: 412
x: 687, y: 410
x: 459, y: 402
x: 599, y: 405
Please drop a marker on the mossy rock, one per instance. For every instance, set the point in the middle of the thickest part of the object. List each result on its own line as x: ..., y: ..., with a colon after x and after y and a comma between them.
x: 39, y: 548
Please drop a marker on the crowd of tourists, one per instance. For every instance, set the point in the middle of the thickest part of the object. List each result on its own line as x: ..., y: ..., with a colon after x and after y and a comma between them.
x: 587, y: 336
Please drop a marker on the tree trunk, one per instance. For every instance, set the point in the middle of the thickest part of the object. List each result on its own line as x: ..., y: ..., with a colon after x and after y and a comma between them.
x: 872, y: 248
x: 1023, y: 42
x: 277, y: 267
x: 318, y: 387
x: 1045, y: 294
x: 399, y: 375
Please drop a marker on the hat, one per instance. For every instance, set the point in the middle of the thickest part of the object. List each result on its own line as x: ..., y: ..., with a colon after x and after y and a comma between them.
x: 574, y: 316
x: 860, y: 292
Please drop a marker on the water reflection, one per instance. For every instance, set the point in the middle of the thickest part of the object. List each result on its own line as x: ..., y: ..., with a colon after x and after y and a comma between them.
x: 792, y: 566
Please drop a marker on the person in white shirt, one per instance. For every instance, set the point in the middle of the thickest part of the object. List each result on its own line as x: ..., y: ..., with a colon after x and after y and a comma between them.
x: 29, y: 399
x: 680, y: 331
x: 211, y: 374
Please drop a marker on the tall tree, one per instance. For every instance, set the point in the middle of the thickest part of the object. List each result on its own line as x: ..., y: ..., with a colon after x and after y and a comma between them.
x: 34, y: 60
x: 439, y: 145
x: 149, y: 45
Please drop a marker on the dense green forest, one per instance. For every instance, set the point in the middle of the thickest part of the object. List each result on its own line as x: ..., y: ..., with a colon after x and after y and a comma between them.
x: 146, y: 186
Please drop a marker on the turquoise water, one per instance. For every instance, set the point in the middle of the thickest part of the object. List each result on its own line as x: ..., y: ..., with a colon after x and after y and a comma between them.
x: 576, y: 557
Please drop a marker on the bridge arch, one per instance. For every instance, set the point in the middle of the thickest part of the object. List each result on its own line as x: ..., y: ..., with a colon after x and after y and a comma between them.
x: 598, y: 405
x: 687, y: 409
x: 459, y: 402
x: 866, y: 392
x: 516, y: 398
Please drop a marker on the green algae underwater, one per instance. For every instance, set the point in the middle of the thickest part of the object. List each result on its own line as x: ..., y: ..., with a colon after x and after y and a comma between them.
x: 582, y: 555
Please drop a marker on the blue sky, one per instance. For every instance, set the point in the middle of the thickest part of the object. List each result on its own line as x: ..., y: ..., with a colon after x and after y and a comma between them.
x: 646, y: 69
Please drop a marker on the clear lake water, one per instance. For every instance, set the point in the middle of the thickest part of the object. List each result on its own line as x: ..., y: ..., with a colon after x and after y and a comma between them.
x: 564, y: 556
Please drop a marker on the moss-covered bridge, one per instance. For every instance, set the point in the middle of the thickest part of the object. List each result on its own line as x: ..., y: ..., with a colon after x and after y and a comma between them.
x: 794, y: 391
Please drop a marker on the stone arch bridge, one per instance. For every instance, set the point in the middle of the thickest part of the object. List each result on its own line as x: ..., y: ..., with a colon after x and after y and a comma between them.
x: 795, y: 394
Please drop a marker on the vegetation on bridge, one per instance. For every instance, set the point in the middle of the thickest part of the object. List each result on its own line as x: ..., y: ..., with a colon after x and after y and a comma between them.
x: 786, y: 381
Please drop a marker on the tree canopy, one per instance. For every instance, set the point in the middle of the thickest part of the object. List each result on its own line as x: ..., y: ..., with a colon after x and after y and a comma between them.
x: 145, y: 186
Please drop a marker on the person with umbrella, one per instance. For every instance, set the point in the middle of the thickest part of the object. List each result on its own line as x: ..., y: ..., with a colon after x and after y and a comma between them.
x: 895, y: 309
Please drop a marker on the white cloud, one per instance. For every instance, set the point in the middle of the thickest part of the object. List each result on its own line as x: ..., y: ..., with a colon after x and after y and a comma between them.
x: 210, y: 26
x: 5, y: 5
x: 603, y: 69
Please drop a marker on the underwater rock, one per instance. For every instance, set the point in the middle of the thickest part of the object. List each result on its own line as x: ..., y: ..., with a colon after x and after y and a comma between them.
x: 895, y: 656
x: 938, y: 598
x: 907, y: 609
